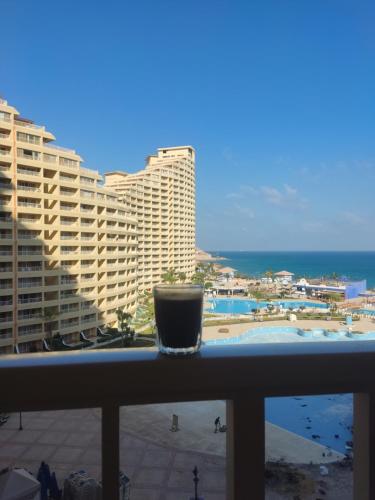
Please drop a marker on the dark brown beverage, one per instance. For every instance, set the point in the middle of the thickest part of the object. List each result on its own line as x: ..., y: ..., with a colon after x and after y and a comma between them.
x: 178, y: 315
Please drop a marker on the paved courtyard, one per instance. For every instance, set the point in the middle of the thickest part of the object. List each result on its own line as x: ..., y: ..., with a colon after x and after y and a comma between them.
x: 158, y: 462
x: 71, y: 440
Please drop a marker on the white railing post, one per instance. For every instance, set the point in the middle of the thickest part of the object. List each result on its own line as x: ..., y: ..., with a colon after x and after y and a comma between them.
x: 245, y: 448
x: 364, y: 446
x: 110, y: 452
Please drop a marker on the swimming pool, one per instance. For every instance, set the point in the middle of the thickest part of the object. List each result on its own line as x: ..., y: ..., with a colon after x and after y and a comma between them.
x: 369, y: 312
x: 272, y: 334
x: 239, y: 306
x: 328, y: 416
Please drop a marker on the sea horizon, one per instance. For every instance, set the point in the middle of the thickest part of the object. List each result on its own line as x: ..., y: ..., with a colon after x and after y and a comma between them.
x: 292, y: 251
x: 308, y: 263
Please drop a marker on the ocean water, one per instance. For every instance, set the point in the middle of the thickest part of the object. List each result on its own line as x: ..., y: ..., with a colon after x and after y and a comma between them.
x: 353, y: 265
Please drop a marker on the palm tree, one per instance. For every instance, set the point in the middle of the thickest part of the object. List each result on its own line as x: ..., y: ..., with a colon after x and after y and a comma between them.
x: 210, y: 268
x: 123, y: 318
x: 269, y: 273
x: 335, y: 277
x: 258, y: 295
x: 333, y: 307
x: 170, y: 276
x: 270, y: 307
x: 182, y: 277
x: 198, y: 278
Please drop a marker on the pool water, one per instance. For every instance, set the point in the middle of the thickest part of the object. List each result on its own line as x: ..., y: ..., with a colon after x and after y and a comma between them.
x: 369, y: 312
x: 238, y: 306
x: 324, y: 416
x: 274, y: 334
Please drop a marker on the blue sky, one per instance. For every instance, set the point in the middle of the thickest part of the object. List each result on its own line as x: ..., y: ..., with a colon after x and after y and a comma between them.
x: 277, y: 97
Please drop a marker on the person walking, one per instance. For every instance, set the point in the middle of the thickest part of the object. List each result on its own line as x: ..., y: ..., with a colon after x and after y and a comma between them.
x: 217, y: 424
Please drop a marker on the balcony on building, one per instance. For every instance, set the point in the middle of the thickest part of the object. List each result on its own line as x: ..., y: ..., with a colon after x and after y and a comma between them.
x: 252, y: 373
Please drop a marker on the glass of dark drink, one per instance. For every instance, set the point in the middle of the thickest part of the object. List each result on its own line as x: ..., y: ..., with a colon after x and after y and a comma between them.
x: 178, y: 316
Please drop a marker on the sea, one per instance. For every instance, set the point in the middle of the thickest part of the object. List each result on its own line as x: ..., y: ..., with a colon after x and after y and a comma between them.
x: 350, y: 265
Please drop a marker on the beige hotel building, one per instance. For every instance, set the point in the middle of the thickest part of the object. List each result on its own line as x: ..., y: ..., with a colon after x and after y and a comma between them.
x: 162, y: 199
x: 73, y: 251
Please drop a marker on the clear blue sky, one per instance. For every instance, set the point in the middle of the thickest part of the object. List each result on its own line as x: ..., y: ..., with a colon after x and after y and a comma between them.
x: 277, y: 97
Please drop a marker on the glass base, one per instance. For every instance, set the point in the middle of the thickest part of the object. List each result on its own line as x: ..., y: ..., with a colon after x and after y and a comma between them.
x: 178, y: 351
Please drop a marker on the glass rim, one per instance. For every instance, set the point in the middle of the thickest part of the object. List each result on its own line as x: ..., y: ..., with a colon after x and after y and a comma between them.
x: 184, y: 286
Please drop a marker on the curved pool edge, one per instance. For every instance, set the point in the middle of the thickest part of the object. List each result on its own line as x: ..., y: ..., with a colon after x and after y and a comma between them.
x: 317, y: 334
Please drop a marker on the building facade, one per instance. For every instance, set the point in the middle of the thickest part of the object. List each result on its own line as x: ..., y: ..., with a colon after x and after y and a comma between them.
x: 162, y: 198
x: 68, y: 245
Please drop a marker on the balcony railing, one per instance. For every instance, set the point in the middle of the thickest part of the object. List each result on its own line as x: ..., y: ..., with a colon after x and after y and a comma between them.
x: 68, y: 222
x: 21, y: 187
x: 28, y: 204
x: 5, y: 335
x: 59, y: 148
x: 28, y: 125
x: 30, y: 268
x: 27, y: 235
x: 32, y: 220
x: 34, y: 157
x: 6, y: 318
x: 27, y: 300
x: 29, y: 284
x: 6, y: 284
x: 25, y: 171
x: 252, y: 373
x: 6, y: 302
x: 25, y: 315
x: 30, y: 252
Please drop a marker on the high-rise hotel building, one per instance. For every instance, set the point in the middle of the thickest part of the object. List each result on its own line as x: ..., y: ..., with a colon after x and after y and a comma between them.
x: 162, y: 198
x: 68, y: 245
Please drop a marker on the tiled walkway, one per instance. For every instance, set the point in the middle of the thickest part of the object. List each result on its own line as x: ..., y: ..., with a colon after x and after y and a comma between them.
x: 71, y: 440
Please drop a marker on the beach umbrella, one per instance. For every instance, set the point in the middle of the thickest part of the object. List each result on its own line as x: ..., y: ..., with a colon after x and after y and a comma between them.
x: 44, y: 477
x: 54, y: 491
x: 46, y: 472
x: 43, y: 486
x: 18, y: 484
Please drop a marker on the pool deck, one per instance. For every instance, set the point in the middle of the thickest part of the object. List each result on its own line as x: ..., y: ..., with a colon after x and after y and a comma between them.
x: 159, y: 462
x: 212, y: 332
x: 196, y: 434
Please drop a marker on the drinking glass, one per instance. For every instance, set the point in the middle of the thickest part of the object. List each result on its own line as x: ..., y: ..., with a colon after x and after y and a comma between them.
x: 178, y: 316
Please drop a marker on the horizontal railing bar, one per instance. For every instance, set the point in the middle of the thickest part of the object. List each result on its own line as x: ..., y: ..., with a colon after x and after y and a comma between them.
x: 142, y: 376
